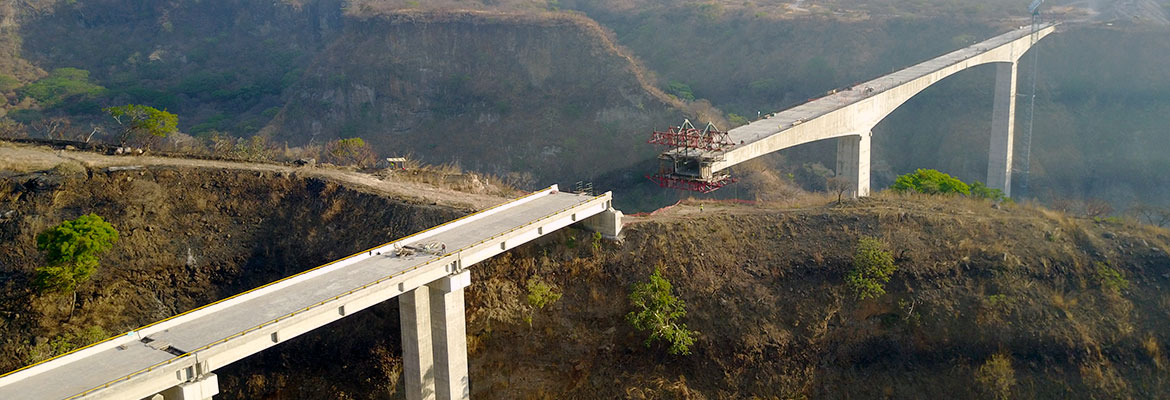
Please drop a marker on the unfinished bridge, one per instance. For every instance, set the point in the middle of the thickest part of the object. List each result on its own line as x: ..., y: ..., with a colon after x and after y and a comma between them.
x: 698, y: 159
x: 174, y: 359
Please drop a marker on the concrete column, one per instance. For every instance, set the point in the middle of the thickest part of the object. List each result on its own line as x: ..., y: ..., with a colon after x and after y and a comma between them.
x: 414, y: 313
x: 853, y: 162
x: 449, y: 327
x: 1003, y: 124
x: 608, y: 223
x: 199, y: 389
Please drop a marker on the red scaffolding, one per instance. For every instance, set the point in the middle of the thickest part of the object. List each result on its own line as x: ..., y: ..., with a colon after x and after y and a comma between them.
x: 687, y: 136
x: 675, y: 182
x: 691, y: 145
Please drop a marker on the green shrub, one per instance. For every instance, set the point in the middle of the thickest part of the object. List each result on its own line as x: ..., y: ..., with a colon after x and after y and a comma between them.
x: 930, y: 181
x: 8, y: 83
x: 681, y: 90
x: 736, y: 119
x: 26, y: 116
x: 60, y: 85
x: 658, y: 311
x: 65, y: 343
x: 872, y: 268
x: 996, y: 376
x: 217, y: 122
x: 270, y: 112
x: 1111, y: 279
x: 541, y: 294
x: 981, y: 191
x: 71, y: 251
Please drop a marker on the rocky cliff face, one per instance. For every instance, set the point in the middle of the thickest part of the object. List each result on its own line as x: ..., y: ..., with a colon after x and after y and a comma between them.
x: 498, y: 94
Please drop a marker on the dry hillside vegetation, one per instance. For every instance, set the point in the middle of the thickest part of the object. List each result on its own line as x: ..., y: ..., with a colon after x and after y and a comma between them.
x: 765, y: 289
x: 985, y: 300
x: 188, y: 236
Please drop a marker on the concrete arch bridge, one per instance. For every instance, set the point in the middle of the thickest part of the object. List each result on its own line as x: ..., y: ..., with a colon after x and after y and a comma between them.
x: 699, y: 159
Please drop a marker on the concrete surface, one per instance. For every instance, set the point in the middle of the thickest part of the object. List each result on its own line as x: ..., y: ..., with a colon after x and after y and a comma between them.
x: 1003, y: 129
x: 449, y: 334
x: 418, y: 366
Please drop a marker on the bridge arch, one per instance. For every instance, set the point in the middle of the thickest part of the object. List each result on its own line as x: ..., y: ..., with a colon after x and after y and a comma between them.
x: 850, y: 114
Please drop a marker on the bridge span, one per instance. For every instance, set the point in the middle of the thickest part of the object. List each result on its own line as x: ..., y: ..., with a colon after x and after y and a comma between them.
x: 850, y: 114
x: 175, y: 358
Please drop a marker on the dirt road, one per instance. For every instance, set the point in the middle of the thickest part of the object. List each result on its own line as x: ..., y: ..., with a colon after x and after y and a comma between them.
x: 23, y: 158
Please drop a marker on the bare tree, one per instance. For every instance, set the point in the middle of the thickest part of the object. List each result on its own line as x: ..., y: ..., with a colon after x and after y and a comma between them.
x: 841, y: 185
x: 11, y: 129
x: 51, y: 128
x: 1097, y: 208
x: 96, y: 130
x: 1153, y: 215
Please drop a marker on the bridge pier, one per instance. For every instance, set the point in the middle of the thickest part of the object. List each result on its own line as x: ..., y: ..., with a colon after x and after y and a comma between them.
x: 608, y: 223
x: 434, y: 339
x: 449, y: 330
x: 414, y: 314
x: 1003, y: 123
x: 853, y: 155
x: 200, y: 389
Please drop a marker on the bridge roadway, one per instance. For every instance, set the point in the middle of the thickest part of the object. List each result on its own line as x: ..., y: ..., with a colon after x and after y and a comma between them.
x: 165, y: 354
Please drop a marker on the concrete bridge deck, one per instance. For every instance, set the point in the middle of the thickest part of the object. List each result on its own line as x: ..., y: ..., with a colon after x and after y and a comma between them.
x: 855, y: 110
x: 170, y: 352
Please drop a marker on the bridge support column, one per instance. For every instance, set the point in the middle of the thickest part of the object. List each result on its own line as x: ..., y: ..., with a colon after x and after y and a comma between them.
x: 414, y: 315
x: 199, y: 389
x: 1003, y: 123
x: 449, y: 327
x: 853, y: 162
x: 608, y: 223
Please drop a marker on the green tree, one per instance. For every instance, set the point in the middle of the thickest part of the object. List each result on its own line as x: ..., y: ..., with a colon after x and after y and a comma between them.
x: 71, y: 251
x: 352, y: 151
x: 658, y: 311
x: 930, y: 181
x: 872, y: 268
x: 136, y: 119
